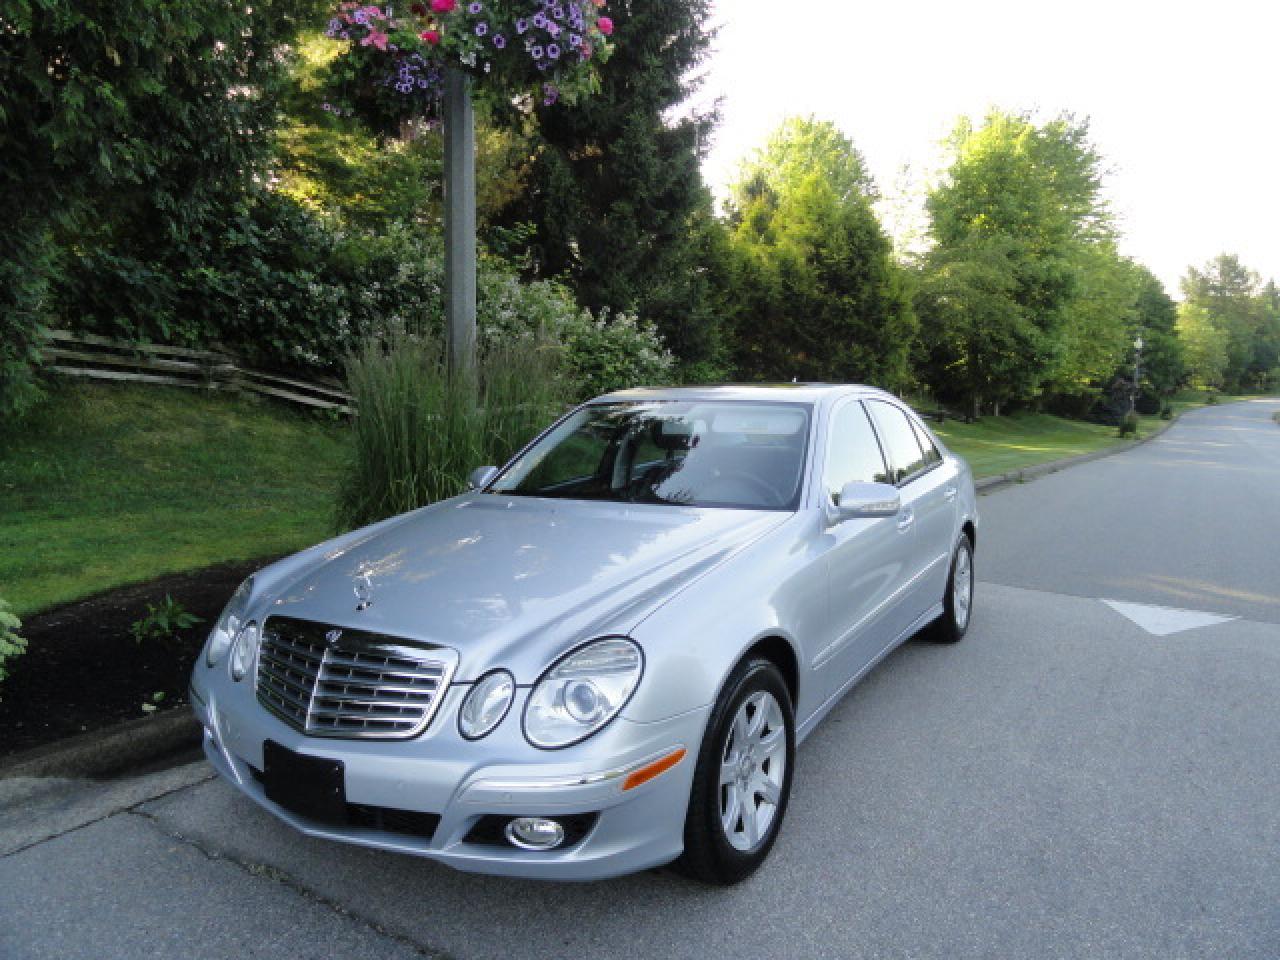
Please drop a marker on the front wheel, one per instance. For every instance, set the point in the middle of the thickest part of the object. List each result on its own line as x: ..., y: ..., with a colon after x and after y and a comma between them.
x: 957, y: 604
x: 743, y: 778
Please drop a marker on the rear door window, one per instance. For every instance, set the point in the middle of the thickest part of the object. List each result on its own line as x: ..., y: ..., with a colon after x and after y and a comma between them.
x: 906, y: 457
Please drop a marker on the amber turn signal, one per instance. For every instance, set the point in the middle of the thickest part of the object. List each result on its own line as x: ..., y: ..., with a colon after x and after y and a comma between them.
x: 655, y: 769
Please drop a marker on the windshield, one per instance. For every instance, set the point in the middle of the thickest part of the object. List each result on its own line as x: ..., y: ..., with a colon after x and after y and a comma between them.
x: 690, y: 453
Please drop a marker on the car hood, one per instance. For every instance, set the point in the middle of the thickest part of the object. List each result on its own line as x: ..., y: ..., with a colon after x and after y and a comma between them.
x: 514, y: 581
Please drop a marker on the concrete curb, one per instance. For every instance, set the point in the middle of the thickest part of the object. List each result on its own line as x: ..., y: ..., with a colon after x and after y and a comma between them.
x: 1001, y: 480
x: 109, y: 750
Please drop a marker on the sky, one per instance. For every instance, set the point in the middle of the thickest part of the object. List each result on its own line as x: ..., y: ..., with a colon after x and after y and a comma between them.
x: 1181, y: 98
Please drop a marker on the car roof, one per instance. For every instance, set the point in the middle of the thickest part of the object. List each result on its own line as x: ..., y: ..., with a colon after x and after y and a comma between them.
x: 810, y: 393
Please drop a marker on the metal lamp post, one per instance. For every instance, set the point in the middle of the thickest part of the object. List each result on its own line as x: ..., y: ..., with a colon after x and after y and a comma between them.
x: 1137, y: 374
x: 459, y: 221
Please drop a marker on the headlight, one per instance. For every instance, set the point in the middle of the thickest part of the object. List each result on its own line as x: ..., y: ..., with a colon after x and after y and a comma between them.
x: 487, y: 703
x: 229, y: 624
x: 245, y: 651
x: 582, y: 692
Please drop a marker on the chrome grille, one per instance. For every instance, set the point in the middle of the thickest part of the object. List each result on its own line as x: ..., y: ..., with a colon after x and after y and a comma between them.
x: 358, y: 684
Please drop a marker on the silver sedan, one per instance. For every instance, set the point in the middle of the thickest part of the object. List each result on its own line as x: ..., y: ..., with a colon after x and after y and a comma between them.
x: 601, y: 657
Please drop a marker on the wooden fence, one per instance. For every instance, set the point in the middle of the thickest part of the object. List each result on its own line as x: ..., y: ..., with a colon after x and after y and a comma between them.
x: 101, y: 358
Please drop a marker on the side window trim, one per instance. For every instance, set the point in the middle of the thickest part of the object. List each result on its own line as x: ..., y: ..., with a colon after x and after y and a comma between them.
x: 917, y: 474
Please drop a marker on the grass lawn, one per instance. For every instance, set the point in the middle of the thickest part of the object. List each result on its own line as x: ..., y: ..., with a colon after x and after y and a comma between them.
x: 1000, y: 444
x: 996, y: 445
x: 105, y: 485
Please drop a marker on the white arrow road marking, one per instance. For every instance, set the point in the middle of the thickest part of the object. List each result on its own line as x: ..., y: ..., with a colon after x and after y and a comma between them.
x: 1162, y: 621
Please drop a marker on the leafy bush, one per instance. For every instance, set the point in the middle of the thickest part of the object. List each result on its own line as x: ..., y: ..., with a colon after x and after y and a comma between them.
x: 1129, y: 425
x: 163, y: 620
x: 11, y: 645
x: 26, y: 261
x: 421, y: 429
x: 606, y: 354
x: 1166, y: 411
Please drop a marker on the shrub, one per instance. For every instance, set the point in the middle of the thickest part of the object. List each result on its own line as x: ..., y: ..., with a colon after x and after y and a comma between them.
x: 163, y: 620
x: 419, y: 429
x: 606, y: 354
x: 1129, y: 425
x: 1166, y: 411
x: 11, y: 645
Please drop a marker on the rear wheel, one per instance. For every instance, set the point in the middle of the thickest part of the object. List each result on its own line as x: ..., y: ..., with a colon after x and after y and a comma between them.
x: 743, y: 778
x: 957, y: 604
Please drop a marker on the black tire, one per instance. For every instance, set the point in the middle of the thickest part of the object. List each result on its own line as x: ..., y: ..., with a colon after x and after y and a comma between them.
x: 708, y: 854
x: 952, y: 626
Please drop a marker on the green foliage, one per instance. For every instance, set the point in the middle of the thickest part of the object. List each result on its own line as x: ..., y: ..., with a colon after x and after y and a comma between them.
x: 1246, y: 312
x: 163, y: 621
x: 11, y: 645
x: 1204, y: 345
x: 604, y: 354
x: 1129, y: 425
x: 821, y: 297
x: 421, y: 430
x: 1026, y: 194
x: 130, y: 128
x: 615, y: 193
x: 25, y: 268
x: 981, y: 345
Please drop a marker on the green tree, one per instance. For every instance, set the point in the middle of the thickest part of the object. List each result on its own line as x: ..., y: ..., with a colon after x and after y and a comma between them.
x: 822, y: 297
x: 1029, y: 193
x: 1204, y: 344
x: 1233, y: 296
x: 131, y: 128
x: 614, y: 191
x: 1156, y: 316
x: 981, y: 347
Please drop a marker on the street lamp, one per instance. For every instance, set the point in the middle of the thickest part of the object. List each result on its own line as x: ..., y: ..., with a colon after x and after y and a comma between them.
x: 1137, y: 374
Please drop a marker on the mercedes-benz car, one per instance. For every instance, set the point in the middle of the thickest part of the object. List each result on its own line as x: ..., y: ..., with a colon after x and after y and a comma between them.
x: 601, y: 657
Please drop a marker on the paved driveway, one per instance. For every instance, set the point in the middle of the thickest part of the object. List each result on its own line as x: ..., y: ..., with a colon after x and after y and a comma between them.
x: 1078, y: 778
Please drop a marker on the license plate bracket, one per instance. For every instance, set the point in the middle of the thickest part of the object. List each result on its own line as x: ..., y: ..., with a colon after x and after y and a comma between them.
x: 312, y: 787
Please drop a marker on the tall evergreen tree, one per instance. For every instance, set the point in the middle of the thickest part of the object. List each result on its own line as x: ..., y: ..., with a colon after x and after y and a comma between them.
x: 614, y: 190
x: 822, y: 298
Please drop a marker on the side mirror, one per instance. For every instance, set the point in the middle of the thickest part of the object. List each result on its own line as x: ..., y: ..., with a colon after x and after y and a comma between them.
x: 480, y: 477
x: 867, y: 500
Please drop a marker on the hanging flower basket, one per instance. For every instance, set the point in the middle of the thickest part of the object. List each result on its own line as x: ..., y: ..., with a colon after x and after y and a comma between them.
x: 393, y: 62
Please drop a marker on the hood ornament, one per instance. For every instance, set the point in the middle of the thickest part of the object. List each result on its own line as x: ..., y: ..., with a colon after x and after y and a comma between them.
x: 364, y: 591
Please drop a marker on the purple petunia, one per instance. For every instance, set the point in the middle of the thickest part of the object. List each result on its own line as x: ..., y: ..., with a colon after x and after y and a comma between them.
x: 481, y: 29
x: 539, y: 21
x: 522, y: 25
x: 553, y: 52
x: 499, y: 41
x: 575, y: 40
x: 536, y: 52
x: 475, y: 8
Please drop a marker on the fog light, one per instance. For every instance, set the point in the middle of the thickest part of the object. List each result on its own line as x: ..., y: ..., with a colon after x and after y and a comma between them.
x: 535, y: 833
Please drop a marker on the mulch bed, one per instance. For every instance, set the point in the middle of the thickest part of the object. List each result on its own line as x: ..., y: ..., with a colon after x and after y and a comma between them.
x: 84, y: 670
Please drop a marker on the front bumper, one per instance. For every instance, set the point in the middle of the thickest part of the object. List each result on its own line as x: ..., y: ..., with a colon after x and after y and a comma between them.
x: 461, y: 781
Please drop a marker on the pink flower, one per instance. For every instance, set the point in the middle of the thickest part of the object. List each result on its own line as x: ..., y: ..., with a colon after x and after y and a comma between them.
x: 443, y: 6
x: 605, y: 25
x: 430, y: 36
x: 376, y: 38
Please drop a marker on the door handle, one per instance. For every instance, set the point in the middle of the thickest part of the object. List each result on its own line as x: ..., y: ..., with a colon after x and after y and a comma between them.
x: 906, y: 518
x: 949, y: 493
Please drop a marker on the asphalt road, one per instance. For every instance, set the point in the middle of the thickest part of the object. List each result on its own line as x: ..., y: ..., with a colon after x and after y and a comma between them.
x: 1064, y: 783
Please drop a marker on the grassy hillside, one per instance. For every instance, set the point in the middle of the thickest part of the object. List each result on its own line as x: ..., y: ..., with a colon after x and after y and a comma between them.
x: 105, y: 485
